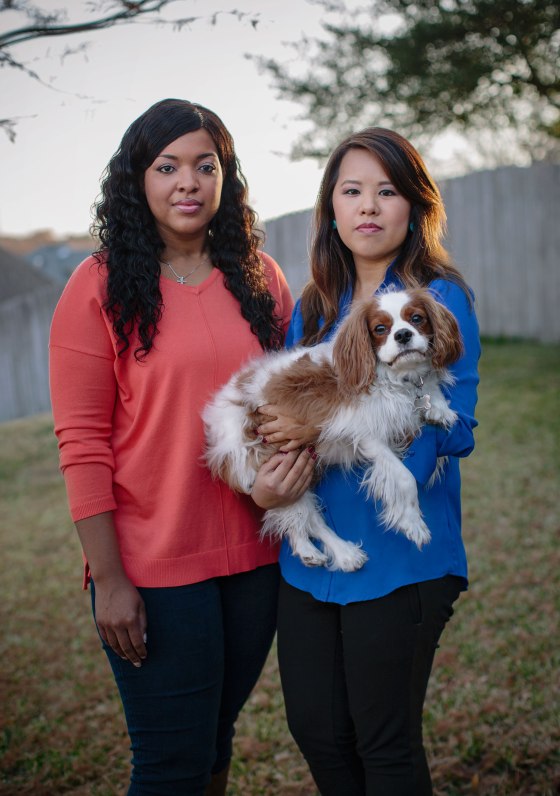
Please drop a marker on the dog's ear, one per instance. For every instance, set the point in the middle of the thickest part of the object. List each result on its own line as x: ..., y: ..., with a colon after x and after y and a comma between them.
x: 447, y: 345
x: 353, y: 354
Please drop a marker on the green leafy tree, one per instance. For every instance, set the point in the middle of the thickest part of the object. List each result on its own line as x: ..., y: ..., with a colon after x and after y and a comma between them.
x: 474, y: 67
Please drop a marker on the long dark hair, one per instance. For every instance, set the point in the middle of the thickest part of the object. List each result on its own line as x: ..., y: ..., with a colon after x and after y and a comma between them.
x: 131, y: 246
x: 422, y: 257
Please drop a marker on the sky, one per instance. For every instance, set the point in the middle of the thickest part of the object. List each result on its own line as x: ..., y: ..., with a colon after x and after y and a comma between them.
x: 66, y: 133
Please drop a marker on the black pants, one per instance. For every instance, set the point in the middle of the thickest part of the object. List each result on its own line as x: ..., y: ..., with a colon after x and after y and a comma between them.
x: 354, y: 679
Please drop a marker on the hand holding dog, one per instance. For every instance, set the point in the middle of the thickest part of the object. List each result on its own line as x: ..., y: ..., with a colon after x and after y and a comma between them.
x: 283, y: 479
x: 362, y: 388
x: 280, y: 429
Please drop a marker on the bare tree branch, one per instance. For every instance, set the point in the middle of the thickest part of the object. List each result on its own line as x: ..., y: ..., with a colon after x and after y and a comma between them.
x: 9, y: 127
x: 129, y: 12
x: 46, y: 25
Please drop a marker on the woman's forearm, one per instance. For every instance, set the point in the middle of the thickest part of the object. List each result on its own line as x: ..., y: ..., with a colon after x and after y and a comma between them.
x: 99, y: 542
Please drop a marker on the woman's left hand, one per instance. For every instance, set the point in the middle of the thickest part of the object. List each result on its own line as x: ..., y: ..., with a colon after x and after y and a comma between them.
x: 280, y: 429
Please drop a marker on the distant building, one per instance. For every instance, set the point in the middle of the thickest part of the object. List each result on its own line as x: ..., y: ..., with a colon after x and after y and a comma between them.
x: 57, y: 260
x: 18, y: 277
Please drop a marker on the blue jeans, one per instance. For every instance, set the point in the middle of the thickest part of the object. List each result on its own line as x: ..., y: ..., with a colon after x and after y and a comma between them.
x: 207, y: 644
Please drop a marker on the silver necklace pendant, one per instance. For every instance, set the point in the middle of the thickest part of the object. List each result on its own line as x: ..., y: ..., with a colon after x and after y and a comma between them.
x: 182, y: 280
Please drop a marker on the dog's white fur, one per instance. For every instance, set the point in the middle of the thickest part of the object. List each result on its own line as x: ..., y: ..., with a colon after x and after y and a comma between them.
x: 369, y: 390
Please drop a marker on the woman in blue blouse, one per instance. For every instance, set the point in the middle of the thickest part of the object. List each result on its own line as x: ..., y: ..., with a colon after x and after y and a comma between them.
x: 356, y: 649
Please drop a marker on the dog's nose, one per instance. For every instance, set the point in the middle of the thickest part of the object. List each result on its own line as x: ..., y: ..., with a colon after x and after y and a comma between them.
x: 403, y: 336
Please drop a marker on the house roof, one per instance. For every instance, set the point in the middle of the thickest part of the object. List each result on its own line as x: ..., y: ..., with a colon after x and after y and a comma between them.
x: 17, y: 276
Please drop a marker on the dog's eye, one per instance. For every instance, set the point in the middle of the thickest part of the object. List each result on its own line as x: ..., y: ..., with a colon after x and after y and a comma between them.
x: 417, y: 319
x: 380, y: 328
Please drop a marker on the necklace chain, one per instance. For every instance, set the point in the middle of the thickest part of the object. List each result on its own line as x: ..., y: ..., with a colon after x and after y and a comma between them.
x: 182, y: 280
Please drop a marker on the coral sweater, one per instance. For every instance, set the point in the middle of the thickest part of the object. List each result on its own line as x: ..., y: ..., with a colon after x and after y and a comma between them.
x: 130, y: 433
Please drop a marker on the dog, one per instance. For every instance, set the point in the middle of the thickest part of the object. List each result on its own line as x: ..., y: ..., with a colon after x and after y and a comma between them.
x: 369, y: 390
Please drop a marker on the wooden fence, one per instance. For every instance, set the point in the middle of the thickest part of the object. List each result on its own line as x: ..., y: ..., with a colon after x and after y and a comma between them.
x: 24, y: 329
x: 504, y: 233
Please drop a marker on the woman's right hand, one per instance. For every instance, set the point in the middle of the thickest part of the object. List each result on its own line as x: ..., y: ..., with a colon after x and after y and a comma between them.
x: 284, y: 478
x: 121, y: 618
x: 119, y: 609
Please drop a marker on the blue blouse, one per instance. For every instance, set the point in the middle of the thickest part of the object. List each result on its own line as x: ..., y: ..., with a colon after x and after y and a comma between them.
x: 393, y: 560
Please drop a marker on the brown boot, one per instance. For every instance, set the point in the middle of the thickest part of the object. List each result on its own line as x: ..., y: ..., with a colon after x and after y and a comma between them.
x: 218, y: 784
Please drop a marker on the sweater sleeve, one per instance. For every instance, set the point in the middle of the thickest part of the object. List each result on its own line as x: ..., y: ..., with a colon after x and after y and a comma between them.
x: 434, y: 441
x: 83, y: 390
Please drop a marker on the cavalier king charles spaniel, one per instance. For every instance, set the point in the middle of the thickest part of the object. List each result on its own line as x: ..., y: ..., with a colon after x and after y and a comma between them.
x: 369, y: 390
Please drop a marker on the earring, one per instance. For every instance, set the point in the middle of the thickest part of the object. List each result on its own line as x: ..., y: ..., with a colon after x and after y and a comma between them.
x: 411, y: 226
x: 334, y: 223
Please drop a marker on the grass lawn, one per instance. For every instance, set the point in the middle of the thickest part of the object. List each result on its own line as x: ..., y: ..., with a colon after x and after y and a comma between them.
x: 493, y: 709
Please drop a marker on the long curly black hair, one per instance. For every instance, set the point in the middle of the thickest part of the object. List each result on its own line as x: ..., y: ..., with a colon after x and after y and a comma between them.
x: 131, y: 247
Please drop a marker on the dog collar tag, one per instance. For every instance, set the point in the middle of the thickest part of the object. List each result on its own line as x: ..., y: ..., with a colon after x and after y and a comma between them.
x: 423, y: 402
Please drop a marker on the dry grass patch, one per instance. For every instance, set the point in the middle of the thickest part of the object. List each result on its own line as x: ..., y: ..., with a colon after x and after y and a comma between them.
x: 492, y: 720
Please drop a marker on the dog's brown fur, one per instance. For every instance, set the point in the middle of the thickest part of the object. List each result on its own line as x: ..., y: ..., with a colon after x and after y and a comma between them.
x: 312, y: 391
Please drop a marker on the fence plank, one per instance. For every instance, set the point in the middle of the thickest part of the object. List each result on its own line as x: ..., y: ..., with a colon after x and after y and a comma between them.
x: 503, y: 232
x: 24, y: 328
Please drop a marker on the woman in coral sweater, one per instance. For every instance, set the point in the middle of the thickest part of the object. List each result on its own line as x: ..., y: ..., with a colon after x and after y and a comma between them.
x: 174, y: 301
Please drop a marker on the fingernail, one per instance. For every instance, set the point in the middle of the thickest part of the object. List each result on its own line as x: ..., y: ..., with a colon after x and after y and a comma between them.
x: 145, y: 637
x: 264, y: 439
x: 137, y: 664
x: 311, y: 452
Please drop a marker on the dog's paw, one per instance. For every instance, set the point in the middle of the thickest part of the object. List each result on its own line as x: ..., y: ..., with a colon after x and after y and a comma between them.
x: 440, y: 416
x: 348, y: 558
x: 419, y: 533
x: 316, y: 559
x: 310, y: 555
